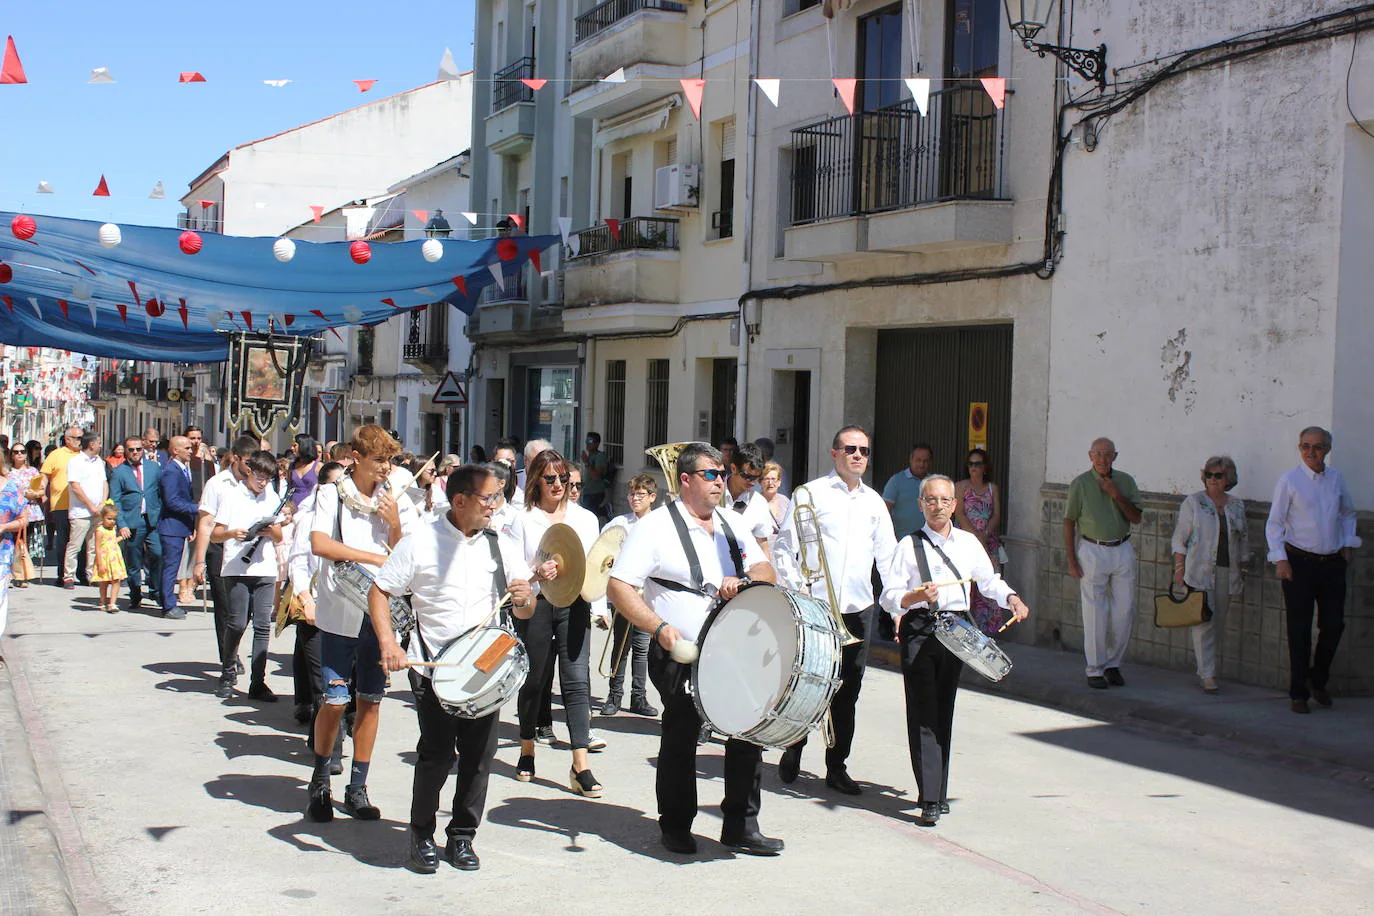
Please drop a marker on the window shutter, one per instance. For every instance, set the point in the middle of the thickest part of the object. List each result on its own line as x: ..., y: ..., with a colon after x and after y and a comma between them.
x: 671, y: 156
x: 727, y: 141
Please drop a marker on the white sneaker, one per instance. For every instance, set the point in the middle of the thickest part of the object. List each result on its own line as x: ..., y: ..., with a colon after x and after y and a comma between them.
x: 595, y: 742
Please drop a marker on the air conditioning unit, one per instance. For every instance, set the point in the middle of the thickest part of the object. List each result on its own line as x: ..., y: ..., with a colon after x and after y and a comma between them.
x: 336, y: 379
x: 676, y: 187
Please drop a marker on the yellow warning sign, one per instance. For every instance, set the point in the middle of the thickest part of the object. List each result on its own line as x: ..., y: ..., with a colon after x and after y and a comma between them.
x: 977, y: 424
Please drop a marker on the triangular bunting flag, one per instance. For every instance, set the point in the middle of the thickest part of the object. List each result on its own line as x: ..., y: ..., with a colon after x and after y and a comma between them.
x: 575, y: 245
x: 462, y: 285
x: 318, y: 314
x: 123, y: 312
x: 9, y: 303
x: 770, y: 88
x: 158, y: 192
x: 618, y: 76
x: 206, y: 204
x: 845, y: 86
x: 694, y: 90
x: 147, y: 323
x: 276, y: 84
x: 100, y: 75
x: 185, y: 314
x: 316, y: 212
x: 390, y: 302
x: 44, y: 188
x: 614, y: 226
x: 498, y: 275
x: 288, y: 320
x: 62, y: 304
x: 33, y: 301
x: 535, y: 85
x: 91, y: 306
x: 996, y: 88
x: 448, y: 69
x: 102, y: 189
x: 534, y: 259
x: 470, y: 216
x: 517, y: 219
x: 920, y: 91
x: 190, y: 76
x: 364, y: 85
x: 421, y: 215
x: 564, y: 227
x: 248, y: 319
x: 12, y: 71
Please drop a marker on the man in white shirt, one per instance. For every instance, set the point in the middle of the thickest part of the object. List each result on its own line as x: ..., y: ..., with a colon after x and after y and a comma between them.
x: 856, y: 532
x: 1311, y: 536
x: 456, y: 571
x: 209, y: 557
x: 742, y: 496
x: 930, y: 672
x: 357, y: 520
x: 88, y: 487
x: 674, y: 606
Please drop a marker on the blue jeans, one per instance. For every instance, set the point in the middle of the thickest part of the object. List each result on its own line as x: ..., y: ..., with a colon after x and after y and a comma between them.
x: 143, y: 557
x: 343, y: 657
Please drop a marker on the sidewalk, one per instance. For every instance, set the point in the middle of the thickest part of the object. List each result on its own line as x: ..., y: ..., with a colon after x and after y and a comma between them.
x: 1248, y: 720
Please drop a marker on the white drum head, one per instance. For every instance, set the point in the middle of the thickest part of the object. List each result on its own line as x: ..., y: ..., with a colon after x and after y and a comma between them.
x: 747, y: 658
x: 458, y: 683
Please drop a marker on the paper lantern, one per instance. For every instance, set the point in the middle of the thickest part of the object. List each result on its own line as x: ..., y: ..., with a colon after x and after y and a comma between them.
x: 156, y: 308
x: 432, y: 249
x: 23, y: 227
x: 283, y: 250
x: 6, y: 272
x: 109, y: 235
x: 360, y: 252
x: 507, y: 250
x: 190, y: 242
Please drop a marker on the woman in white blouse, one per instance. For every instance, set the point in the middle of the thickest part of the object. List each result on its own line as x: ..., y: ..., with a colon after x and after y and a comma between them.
x: 553, y: 631
x: 302, y: 566
x: 1210, y: 546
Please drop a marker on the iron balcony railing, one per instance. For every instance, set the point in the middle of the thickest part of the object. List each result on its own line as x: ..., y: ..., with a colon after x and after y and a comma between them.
x: 642, y: 233
x: 427, y: 333
x: 604, y: 15
x: 894, y: 157
x: 506, y: 88
x: 516, y: 290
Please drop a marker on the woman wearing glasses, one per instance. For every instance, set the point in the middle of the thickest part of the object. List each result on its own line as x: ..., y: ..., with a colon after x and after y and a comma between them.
x: 1210, y: 545
x: 24, y: 474
x: 553, y: 631
x: 980, y: 513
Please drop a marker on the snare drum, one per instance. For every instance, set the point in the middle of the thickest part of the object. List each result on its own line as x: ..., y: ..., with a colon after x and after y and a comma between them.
x: 353, y: 581
x: 972, y: 646
x: 466, y: 691
x: 769, y: 666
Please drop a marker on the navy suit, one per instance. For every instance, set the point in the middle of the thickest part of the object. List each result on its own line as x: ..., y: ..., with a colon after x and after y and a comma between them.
x: 140, y: 510
x: 178, y: 523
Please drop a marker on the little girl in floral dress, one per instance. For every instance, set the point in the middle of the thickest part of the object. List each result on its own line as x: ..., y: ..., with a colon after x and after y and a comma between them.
x: 109, y: 559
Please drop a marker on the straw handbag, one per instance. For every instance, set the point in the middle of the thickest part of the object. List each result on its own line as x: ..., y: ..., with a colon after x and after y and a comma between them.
x: 1188, y: 611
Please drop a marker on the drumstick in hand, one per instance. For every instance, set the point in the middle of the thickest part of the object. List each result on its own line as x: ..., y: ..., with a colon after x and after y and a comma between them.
x: 1007, y: 624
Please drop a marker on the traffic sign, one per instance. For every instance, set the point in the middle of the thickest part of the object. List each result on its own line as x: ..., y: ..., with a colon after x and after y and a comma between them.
x: 329, y: 400
x: 450, y: 391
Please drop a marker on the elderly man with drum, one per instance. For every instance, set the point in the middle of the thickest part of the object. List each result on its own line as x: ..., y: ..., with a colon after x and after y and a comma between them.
x: 458, y: 572
x: 682, y: 554
x: 930, y: 574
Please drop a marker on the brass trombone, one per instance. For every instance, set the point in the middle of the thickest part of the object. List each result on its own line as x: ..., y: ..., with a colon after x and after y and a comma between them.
x: 808, y: 528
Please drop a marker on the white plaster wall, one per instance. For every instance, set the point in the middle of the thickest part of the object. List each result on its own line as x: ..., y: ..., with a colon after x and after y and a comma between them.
x: 1353, y: 413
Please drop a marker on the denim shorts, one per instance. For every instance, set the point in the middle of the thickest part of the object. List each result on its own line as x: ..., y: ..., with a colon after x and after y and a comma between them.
x: 341, y: 657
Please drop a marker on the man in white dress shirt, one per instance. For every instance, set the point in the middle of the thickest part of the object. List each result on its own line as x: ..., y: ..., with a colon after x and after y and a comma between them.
x: 1311, y: 536
x: 856, y: 531
x: 742, y: 496
x: 209, y: 557
x: 674, y: 606
x: 456, y: 570
x: 930, y: 672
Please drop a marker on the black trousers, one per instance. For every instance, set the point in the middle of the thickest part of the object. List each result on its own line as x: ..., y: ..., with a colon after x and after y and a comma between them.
x: 59, y: 529
x: 853, y: 663
x: 1320, y: 583
x: 219, y: 589
x: 306, y: 675
x: 930, y: 676
x: 250, y: 598
x: 676, y: 780
x: 623, y: 632
x: 444, y: 738
x: 561, y: 635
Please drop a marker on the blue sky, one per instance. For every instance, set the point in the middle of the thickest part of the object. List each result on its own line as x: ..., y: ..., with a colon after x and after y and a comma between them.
x: 147, y: 127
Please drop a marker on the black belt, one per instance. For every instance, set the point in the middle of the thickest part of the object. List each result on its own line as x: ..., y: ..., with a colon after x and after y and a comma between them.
x: 1311, y: 557
x: 1105, y: 543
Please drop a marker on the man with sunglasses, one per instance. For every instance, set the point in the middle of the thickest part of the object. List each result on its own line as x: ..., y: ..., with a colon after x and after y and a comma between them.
x: 856, y: 533
x: 134, y: 489
x: 742, y: 496
x: 209, y: 556
x: 54, y: 471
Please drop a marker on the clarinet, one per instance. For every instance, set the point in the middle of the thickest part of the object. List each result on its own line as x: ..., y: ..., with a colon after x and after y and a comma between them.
x: 247, y: 558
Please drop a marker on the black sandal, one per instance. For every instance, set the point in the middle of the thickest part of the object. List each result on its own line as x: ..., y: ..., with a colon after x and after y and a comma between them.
x: 584, y: 783
x: 524, y: 770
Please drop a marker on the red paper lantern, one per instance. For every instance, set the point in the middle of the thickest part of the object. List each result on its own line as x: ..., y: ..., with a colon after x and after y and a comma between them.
x: 190, y: 242
x: 360, y: 252
x: 6, y: 272
x: 23, y: 227
x: 156, y: 308
x: 507, y: 250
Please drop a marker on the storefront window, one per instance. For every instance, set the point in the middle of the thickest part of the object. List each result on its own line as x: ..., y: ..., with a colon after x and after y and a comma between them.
x: 552, y: 408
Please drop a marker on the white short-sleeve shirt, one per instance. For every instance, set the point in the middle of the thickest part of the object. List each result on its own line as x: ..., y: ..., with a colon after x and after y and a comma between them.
x: 334, y: 612
x: 240, y: 508
x: 90, y: 473
x: 757, y: 517
x: 214, y: 491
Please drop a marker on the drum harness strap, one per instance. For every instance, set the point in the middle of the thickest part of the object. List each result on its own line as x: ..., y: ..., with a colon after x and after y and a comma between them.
x: 925, y: 564
x: 499, y: 583
x: 698, y: 585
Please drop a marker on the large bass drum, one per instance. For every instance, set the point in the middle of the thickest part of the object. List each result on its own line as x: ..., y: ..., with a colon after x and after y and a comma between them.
x: 470, y: 686
x: 769, y: 666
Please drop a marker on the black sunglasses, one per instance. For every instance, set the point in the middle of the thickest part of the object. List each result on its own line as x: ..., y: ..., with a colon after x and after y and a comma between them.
x: 861, y: 449
x: 552, y: 479
x: 751, y: 477
x: 1214, y: 475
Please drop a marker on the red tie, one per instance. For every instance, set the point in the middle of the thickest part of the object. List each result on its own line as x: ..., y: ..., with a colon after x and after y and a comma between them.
x: 138, y: 474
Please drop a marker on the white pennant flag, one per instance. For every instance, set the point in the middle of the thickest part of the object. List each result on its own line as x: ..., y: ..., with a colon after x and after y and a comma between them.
x: 770, y: 88
x: 276, y: 84
x: 617, y: 77
x: 564, y: 227
x: 498, y: 275
x: 920, y: 91
x: 100, y: 75
x: 158, y: 192
x: 575, y: 245
x: 147, y: 321
x: 44, y: 188
x: 448, y: 69
x: 470, y: 216
x: 33, y: 300
x: 92, y: 307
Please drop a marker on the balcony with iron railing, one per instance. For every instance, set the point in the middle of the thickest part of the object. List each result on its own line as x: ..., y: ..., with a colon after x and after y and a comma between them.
x: 606, y: 14
x: 516, y: 290
x: 510, y: 126
x: 426, y: 340
x: 647, y: 38
x: 874, y: 164
x: 506, y: 86
x: 638, y: 262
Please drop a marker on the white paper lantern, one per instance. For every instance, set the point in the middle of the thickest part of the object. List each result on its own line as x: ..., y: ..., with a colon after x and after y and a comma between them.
x: 109, y: 235
x: 283, y: 250
x: 432, y: 249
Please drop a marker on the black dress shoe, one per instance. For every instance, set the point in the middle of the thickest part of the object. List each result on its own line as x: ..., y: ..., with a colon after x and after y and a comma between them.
x: 1321, y: 696
x: 944, y: 807
x: 679, y: 841
x: 460, y: 854
x: 358, y: 806
x: 262, y: 693
x: 643, y: 707
x: 225, y: 690
x: 930, y: 814
x: 424, y: 855
x: 752, y: 843
x: 839, y: 781
x: 1114, y: 677
x: 321, y: 807
x: 1300, y: 706
x: 1097, y: 682
x: 135, y: 602
x: 789, y: 764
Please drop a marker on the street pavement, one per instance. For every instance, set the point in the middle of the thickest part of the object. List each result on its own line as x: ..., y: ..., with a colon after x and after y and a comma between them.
x: 130, y: 788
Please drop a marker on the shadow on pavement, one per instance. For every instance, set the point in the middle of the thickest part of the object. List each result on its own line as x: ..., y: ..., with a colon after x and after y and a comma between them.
x: 199, y: 677
x: 287, y: 748
x: 629, y: 828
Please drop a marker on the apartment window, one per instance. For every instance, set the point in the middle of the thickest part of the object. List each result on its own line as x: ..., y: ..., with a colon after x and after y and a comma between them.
x: 975, y: 29
x: 796, y: 6
x: 880, y: 58
x: 613, y: 437
x: 656, y: 404
x: 622, y: 186
x: 367, y: 338
x: 723, y: 220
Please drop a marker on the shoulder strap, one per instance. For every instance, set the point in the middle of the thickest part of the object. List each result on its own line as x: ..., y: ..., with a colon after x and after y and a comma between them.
x: 736, y: 555
x: 693, y: 561
x: 500, y: 575
x: 918, y: 547
x: 925, y: 571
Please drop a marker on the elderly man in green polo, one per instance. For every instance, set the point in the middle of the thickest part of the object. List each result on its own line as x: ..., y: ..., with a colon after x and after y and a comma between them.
x: 1103, y: 505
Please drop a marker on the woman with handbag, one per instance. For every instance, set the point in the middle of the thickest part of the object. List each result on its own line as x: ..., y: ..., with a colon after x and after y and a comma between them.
x: 1210, y: 546
x: 18, y: 469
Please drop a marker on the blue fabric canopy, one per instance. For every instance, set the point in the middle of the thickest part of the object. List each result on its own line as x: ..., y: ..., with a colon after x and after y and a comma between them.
x: 65, y: 288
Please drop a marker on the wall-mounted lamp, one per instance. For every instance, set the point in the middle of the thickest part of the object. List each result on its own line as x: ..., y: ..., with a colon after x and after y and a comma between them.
x: 1028, y: 17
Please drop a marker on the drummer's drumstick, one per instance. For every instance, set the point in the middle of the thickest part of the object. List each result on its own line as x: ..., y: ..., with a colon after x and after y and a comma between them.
x: 946, y: 584
x: 1008, y: 623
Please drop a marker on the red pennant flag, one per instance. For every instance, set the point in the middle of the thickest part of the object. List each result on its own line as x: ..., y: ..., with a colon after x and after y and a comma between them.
x: 391, y: 302
x: 206, y: 204
x: 421, y: 215
x: 462, y: 285
x: 83, y: 266
x: 318, y: 314
x: 62, y: 304
x: 316, y: 212
x: 694, y: 90
x: 134, y: 289
x: 534, y: 259
x: 190, y: 76
x: 9, y: 303
x: 536, y: 85
x: 364, y: 85
x: 101, y: 190
x: 614, y: 226
x: 996, y: 88
x: 517, y: 219
x: 12, y: 71
x: 845, y: 87
x: 123, y: 312
x: 248, y: 319
x: 289, y: 319
x: 185, y: 314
